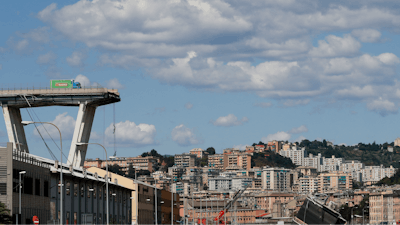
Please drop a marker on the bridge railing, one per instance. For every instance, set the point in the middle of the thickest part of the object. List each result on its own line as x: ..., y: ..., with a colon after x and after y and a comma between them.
x: 45, y: 90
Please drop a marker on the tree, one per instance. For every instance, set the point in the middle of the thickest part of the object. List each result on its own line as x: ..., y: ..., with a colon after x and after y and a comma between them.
x: 211, y: 151
x: 5, y: 217
x: 116, y: 169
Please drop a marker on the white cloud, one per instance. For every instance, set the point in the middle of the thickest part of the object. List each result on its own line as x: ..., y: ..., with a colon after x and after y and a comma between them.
x: 229, y: 120
x: 22, y: 45
x: 76, y: 59
x: 382, y: 106
x: 128, y: 134
x: 336, y: 46
x: 299, y: 139
x: 263, y: 104
x: 188, y: 105
x: 367, y: 35
x: 114, y: 84
x: 290, y: 102
x: 297, y: 130
x: 279, y: 136
x: 46, y: 59
x: 184, y: 136
x: 84, y: 80
x: 64, y: 122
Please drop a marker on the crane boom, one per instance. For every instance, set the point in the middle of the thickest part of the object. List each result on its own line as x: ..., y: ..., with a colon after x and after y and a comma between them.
x: 229, y: 205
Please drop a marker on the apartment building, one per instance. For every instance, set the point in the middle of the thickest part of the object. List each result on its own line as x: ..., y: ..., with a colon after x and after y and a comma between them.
x: 278, y: 179
x: 274, y: 146
x: 176, y: 172
x: 185, y: 160
x: 149, y: 163
x: 384, y: 207
x: 220, y: 184
x: 216, y: 161
x: 331, y: 164
x: 200, y: 153
x: 354, y: 168
x: 239, y: 183
x: 334, y: 181
x: 242, y: 160
x: 397, y: 142
x: 308, y: 184
x: 295, y: 154
x: 373, y: 174
x: 313, y: 161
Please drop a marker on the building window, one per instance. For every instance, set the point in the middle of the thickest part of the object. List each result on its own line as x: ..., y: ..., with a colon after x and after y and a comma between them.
x: 37, y: 187
x: 28, y: 185
x: 88, y: 191
x: 82, y: 190
x: 100, y: 192
x: 46, y: 189
x: 68, y: 188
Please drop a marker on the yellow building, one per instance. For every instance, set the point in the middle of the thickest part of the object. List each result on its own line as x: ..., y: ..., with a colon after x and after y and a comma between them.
x: 143, y: 199
x: 334, y: 181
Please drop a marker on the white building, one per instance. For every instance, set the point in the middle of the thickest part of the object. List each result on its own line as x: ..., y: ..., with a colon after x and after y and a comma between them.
x: 353, y: 167
x: 295, y: 154
x: 374, y: 174
x: 278, y: 179
x: 330, y: 164
x: 239, y: 183
x: 313, y: 161
x: 220, y: 184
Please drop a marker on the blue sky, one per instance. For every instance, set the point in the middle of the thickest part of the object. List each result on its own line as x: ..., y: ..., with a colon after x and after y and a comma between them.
x: 196, y: 74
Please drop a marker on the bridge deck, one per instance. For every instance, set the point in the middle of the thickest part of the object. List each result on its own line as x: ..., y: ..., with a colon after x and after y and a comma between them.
x: 23, y: 98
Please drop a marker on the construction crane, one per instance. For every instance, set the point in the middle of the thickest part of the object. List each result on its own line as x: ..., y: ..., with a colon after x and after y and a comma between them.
x: 228, y: 206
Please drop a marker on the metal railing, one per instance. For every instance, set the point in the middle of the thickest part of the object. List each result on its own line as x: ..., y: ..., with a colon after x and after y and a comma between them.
x: 28, y: 158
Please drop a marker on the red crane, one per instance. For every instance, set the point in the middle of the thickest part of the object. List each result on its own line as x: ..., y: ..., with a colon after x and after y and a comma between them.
x: 228, y: 206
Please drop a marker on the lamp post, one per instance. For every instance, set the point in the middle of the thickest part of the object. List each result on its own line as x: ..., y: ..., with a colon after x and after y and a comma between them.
x: 107, y: 200
x: 61, y: 166
x: 20, y: 187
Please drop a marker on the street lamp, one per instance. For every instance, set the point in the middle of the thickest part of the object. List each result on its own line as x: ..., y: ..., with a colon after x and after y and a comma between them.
x: 107, y: 200
x: 20, y: 187
x: 61, y: 166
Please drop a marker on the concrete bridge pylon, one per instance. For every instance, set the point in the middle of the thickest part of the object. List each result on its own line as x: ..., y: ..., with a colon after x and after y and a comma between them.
x: 87, y: 99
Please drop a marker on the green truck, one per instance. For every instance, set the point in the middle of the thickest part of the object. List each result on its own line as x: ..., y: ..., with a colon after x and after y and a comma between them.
x: 71, y: 84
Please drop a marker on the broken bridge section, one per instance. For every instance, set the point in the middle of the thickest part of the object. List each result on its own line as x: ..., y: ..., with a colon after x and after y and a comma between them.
x: 87, y: 99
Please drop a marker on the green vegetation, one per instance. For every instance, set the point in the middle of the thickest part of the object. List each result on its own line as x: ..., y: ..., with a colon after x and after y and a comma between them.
x: 395, y: 179
x: 5, y: 217
x: 370, y: 154
x: 272, y: 159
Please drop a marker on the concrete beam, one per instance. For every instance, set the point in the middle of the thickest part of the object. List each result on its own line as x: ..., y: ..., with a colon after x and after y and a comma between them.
x: 15, y: 130
x: 83, y: 127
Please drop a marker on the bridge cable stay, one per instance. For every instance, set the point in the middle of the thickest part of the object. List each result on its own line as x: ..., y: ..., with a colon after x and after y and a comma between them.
x: 115, y: 150
x: 44, y: 127
x: 40, y: 134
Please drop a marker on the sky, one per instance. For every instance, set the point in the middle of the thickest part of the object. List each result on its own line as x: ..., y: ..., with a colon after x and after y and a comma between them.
x: 199, y: 74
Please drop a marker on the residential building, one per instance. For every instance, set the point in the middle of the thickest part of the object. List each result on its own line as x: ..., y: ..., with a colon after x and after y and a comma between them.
x: 239, y: 183
x: 307, y: 171
x: 373, y: 174
x: 334, y: 181
x: 220, y: 184
x: 354, y: 168
x: 330, y: 164
x: 242, y: 160
x: 384, y: 207
x: 176, y: 172
x: 185, y: 160
x: 278, y: 179
x: 149, y: 163
x: 200, y: 153
x: 216, y: 161
x: 295, y: 154
x: 308, y: 184
x: 274, y: 146
x: 313, y: 161
x: 397, y: 142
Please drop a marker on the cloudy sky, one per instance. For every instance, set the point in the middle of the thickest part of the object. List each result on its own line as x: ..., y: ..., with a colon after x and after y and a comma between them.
x: 196, y: 73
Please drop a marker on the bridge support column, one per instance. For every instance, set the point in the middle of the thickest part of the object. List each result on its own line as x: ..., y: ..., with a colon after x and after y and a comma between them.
x: 83, y: 127
x: 15, y: 130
